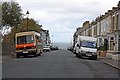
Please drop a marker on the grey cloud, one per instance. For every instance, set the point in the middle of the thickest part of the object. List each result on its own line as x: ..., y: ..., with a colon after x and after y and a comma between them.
x: 65, y: 14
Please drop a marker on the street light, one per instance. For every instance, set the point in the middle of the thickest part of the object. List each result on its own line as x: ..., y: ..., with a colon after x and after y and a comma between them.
x: 27, y: 14
x: 52, y: 40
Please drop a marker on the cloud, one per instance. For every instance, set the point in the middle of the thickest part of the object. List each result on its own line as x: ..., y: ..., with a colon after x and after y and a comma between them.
x: 62, y: 17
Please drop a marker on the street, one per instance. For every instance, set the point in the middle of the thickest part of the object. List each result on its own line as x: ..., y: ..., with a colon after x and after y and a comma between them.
x: 57, y: 64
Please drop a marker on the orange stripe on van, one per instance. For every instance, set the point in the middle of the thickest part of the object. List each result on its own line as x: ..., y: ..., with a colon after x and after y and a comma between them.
x: 25, y: 45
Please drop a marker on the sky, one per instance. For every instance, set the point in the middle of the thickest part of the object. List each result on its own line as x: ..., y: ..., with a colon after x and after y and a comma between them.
x: 62, y: 17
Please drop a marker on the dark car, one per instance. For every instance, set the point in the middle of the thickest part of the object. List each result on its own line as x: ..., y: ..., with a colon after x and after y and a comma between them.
x: 54, y: 48
x: 70, y: 49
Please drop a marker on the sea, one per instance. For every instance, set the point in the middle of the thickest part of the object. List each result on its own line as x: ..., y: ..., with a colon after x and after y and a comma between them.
x: 62, y: 45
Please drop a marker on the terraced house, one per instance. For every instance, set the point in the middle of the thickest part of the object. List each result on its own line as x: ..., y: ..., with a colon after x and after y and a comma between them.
x: 45, y: 37
x: 106, y: 28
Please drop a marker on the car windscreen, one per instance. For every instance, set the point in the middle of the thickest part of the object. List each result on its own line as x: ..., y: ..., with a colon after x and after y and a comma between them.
x: 88, y: 44
x: 46, y: 46
x: 25, y: 39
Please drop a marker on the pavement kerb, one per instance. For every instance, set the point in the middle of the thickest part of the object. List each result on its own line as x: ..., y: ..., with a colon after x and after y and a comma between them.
x: 112, y: 65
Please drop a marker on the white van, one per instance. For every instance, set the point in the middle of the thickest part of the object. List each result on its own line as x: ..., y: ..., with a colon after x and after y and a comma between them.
x: 86, y: 46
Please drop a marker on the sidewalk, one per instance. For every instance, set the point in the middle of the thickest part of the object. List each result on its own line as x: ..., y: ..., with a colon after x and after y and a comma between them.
x: 115, y: 64
x: 110, y: 62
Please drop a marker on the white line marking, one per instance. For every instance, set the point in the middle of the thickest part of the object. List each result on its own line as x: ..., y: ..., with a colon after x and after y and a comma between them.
x: 0, y: 61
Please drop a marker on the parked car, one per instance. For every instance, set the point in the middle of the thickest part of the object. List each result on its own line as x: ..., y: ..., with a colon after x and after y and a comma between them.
x: 54, y: 48
x: 46, y: 48
x: 70, y: 49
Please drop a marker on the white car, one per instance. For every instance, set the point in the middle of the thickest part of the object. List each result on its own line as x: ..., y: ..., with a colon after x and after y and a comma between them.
x: 46, y: 47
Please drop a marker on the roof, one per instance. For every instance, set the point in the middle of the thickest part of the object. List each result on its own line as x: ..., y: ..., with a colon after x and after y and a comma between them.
x: 27, y: 33
x: 87, y: 38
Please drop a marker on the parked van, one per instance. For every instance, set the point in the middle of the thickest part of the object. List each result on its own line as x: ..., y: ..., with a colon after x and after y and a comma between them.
x: 86, y: 46
x: 28, y: 43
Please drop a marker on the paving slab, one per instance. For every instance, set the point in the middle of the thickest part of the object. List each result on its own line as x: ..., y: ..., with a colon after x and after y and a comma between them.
x: 111, y: 62
x: 115, y: 64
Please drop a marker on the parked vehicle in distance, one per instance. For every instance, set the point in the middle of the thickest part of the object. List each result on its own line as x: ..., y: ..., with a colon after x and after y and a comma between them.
x: 46, y: 47
x: 28, y: 43
x: 70, y: 48
x: 86, y: 46
x: 54, y: 48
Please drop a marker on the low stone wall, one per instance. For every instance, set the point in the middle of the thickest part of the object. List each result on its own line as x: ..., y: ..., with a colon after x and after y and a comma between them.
x: 116, y: 57
x: 8, y: 49
x: 109, y: 55
x: 113, y: 55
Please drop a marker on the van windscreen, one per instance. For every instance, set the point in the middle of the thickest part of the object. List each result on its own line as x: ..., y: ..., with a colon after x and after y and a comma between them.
x: 25, y: 39
x: 88, y: 44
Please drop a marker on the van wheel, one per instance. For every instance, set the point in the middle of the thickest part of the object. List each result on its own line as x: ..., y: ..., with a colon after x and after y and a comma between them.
x: 74, y: 52
x: 94, y: 57
x: 17, y: 55
x: 25, y: 55
x: 35, y: 55
x: 79, y: 55
x: 76, y: 55
x: 40, y: 54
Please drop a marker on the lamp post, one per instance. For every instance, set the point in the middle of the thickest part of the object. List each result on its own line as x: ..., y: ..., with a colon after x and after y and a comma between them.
x: 27, y: 13
x: 52, y: 40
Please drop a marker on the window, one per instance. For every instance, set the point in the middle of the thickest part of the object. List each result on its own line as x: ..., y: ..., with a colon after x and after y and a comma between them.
x: 113, y: 20
x: 117, y: 22
x: 119, y: 43
x: 112, y: 38
x: 119, y: 37
x: 95, y: 30
x: 111, y: 43
x: 25, y: 39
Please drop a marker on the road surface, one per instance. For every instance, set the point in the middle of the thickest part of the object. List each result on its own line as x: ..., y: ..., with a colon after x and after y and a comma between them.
x: 57, y: 64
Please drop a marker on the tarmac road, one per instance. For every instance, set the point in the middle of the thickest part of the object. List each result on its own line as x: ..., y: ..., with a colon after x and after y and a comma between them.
x: 57, y: 64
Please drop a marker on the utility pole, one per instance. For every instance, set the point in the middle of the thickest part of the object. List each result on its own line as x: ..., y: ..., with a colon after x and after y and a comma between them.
x: 27, y: 19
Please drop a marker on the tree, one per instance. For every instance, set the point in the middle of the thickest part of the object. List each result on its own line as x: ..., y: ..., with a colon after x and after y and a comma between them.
x: 12, y: 17
x: 0, y: 15
x: 11, y: 14
x: 32, y: 25
x: 22, y: 27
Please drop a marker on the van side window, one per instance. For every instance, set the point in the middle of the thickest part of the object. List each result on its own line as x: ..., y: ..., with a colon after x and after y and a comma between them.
x: 38, y: 38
